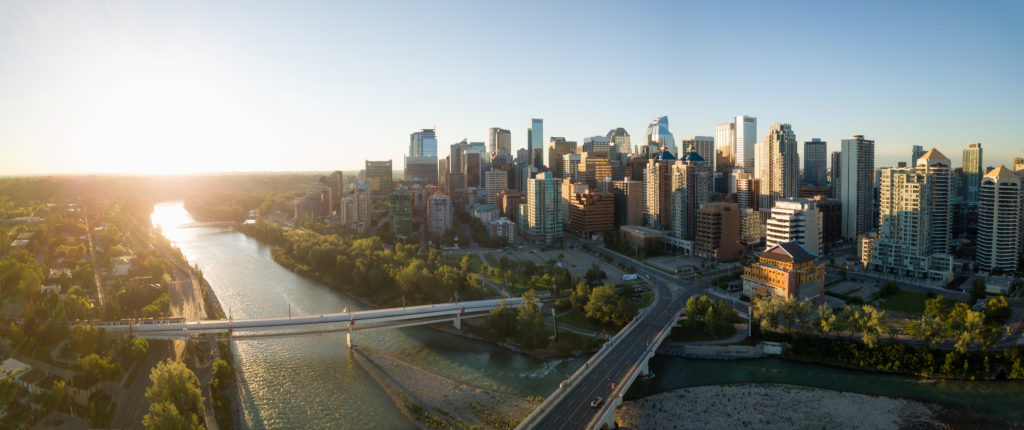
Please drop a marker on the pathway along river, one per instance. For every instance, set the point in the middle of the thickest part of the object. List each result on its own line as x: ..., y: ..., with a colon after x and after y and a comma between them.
x: 311, y: 381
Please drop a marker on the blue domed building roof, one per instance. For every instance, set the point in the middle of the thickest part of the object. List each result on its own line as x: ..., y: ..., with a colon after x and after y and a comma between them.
x: 664, y: 155
x: 692, y: 157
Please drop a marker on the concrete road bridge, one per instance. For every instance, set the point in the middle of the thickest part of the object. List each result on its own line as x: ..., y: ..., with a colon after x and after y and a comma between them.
x: 350, y: 322
x: 609, y: 372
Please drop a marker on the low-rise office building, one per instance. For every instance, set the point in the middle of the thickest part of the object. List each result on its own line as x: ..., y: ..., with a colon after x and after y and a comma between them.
x: 785, y: 270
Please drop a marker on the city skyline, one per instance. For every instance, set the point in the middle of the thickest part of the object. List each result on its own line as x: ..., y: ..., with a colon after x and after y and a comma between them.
x: 109, y: 90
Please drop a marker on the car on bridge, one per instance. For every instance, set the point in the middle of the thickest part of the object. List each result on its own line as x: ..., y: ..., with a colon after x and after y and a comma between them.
x: 596, y: 402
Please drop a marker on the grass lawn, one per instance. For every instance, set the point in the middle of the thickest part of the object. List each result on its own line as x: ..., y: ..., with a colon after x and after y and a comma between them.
x: 577, y: 318
x: 456, y: 260
x: 904, y: 301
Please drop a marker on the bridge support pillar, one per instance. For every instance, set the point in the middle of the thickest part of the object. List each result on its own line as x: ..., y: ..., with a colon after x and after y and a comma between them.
x: 348, y: 337
x: 458, y: 321
x: 644, y: 369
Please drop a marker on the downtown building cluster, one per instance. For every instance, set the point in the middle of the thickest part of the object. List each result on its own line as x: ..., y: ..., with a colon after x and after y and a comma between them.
x: 715, y: 197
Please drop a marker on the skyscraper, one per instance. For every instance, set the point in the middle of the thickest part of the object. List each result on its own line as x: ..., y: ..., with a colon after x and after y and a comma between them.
x: 703, y: 145
x: 778, y: 165
x: 796, y: 220
x: 659, y: 137
x: 439, y: 214
x: 815, y: 162
x: 857, y: 170
x: 973, y: 169
x: 400, y: 211
x: 557, y: 149
x: 379, y: 177
x: 619, y: 139
x: 915, y: 228
x: 423, y: 143
x: 746, y: 137
x: 495, y: 181
x: 691, y: 187
x: 499, y: 141
x: 540, y: 217
x: 535, y: 142
x: 999, y: 221
x: 725, y: 146
x: 917, y: 152
x: 629, y: 202
x: 658, y: 191
x: 596, y: 145
x: 836, y: 173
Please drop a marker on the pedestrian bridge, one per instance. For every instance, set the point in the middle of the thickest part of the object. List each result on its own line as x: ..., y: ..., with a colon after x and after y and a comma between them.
x: 207, y: 224
x: 375, y: 319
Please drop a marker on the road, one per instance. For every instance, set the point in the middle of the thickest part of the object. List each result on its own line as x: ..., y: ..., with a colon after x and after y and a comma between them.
x: 612, y: 368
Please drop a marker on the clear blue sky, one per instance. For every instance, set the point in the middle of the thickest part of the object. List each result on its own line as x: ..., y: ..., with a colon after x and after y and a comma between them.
x: 281, y: 86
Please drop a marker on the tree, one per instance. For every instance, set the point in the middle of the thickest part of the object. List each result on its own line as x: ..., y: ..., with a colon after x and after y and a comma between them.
x: 580, y: 296
x: 606, y: 307
x: 175, y: 398
x: 828, y: 320
x: 466, y: 264
x: 997, y: 310
x: 99, y: 367
x: 223, y: 373
x: 502, y: 321
x: 696, y: 309
x: 530, y: 321
x: 873, y: 323
x: 928, y: 328
x: 138, y: 348
x: 165, y: 416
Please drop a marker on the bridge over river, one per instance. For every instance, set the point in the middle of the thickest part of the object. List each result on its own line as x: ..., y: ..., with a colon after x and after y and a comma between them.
x: 308, y: 324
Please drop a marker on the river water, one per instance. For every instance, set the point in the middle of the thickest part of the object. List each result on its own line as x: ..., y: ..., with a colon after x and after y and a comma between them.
x: 311, y: 381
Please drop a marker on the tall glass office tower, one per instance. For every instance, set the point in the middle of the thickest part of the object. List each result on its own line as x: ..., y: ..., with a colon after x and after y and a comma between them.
x: 535, y: 142
x: 658, y: 135
x: 972, y: 173
x: 423, y: 143
x: 746, y: 137
x: 815, y: 162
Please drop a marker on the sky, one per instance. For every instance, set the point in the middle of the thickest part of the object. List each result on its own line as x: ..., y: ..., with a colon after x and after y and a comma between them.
x: 184, y: 87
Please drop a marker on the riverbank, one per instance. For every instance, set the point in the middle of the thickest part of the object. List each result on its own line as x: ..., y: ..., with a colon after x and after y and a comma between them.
x: 415, y: 392
x: 758, y: 406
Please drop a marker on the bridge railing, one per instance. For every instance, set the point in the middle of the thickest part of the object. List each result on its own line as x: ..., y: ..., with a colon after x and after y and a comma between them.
x: 623, y: 384
x: 538, y: 413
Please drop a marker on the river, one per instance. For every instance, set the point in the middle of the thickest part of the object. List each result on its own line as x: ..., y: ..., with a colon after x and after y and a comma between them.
x: 311, y: 381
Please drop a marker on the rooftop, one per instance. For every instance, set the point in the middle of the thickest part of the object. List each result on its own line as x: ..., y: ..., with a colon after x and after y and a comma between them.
x: 1001, y: 172
x: 790, y: 252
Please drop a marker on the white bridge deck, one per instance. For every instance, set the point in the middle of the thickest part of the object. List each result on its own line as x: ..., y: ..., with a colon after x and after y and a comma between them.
x: 308, y: 324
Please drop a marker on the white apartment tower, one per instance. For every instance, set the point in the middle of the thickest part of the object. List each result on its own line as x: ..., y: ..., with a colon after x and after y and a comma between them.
x: 914, y: 232
x: 999, y: 221
x: 856, y: 185
x: 746, y: 137
x: 797, y: 220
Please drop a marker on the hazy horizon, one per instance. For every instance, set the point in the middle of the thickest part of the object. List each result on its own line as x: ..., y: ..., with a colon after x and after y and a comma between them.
x: 191, y: 87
